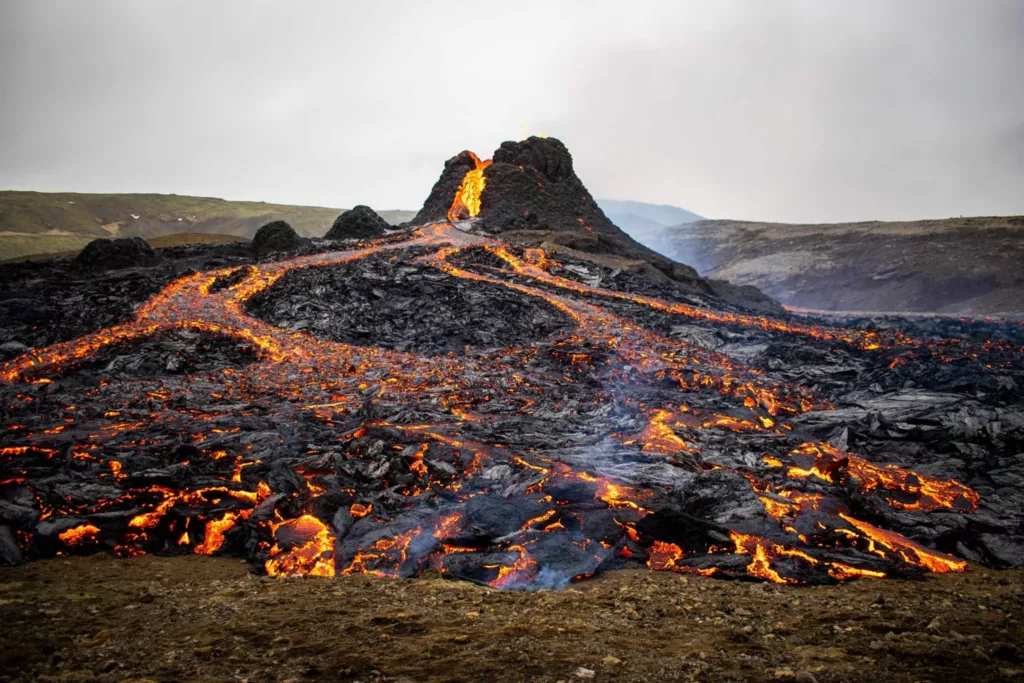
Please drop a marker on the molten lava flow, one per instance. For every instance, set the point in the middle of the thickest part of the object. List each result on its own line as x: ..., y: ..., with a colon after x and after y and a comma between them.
x: 75, y: 536
x: 467, y: 200
x: 662, y: 556
x: 907, y: 550
x: 215, y: 530
x: 441, y: 467
x: 312, y: 554
x: 904, y: 490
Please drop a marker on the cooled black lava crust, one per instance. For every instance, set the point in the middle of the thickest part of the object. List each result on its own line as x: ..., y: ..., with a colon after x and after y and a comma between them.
x: 403, y: 306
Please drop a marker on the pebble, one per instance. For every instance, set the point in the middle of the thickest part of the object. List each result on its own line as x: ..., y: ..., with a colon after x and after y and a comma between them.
x: 611, y: 661
x: 582, y: 672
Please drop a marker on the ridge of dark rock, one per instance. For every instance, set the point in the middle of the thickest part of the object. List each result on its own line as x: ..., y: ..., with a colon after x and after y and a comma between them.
x: 275, y: 236
x: 111, y: 254
x: 360, y: 222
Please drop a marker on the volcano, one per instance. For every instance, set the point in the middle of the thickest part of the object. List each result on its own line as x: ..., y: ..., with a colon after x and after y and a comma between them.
x: 507, y: 391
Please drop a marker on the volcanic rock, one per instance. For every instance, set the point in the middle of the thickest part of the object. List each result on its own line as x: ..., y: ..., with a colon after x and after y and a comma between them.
x: 443, y: 400
x: 107, y: 254
x: 435, y: 208
x: 361, y: 222
x: 532, y: 195
x: 388, y: 305
x: 275, y: 236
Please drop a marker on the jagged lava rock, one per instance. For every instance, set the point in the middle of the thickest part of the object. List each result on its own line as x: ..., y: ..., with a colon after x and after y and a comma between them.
x: 360, y: 222
x: 435, y: 208
x: 532, y: 195
x: 107, y: 254
x: 276, y: 236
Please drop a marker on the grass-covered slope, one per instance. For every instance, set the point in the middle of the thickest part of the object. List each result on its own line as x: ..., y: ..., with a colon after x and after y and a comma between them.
x: 52, y: 222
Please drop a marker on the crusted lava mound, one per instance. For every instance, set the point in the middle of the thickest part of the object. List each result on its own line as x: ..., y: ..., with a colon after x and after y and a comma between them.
x: 107, y: 254
x: 360, y: 222
x: 528, y: 192
x: 302, y: 413
x: 275, y: 236
x: 394, y: 305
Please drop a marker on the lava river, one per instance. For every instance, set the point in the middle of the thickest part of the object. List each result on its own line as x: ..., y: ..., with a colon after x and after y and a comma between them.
x: 426, y: 462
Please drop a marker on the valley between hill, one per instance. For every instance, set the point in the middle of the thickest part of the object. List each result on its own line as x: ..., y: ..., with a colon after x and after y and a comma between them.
x: 955, y: 265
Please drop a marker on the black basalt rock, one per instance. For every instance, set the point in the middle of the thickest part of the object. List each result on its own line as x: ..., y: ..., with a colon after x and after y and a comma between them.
x: 531, y: 189
x: 360, y: 222
x: 532, y: 184
x: 108, y: 254
x: 275, y: 236
x: 441, y: 195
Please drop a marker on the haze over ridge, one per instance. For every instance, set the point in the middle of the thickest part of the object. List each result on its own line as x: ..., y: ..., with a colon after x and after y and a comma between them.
x: 793, y: 111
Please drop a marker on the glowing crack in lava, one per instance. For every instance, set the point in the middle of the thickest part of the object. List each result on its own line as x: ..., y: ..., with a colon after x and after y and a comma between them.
x: 393, y: 494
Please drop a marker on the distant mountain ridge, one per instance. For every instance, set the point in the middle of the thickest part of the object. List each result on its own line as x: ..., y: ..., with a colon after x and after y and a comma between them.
x: 965, y: 265
x: 648, y: 224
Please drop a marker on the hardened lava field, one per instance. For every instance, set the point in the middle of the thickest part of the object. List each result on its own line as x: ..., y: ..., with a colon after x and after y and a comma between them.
x: 601, y: 445
x: 442, y: 399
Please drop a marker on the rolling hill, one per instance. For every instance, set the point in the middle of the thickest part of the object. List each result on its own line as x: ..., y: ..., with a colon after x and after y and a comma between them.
x: 954, y: 265
x: 56, y: 222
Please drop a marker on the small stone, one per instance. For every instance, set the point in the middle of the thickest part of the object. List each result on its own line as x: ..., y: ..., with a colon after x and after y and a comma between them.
x: 472, y: 615
x: 783, y: 674
x: 611, y: 661
x: 876, y: 645
x: 582, y: 672
x: 1006, y: 652
x: 463, y: 638
x: 741, y: 612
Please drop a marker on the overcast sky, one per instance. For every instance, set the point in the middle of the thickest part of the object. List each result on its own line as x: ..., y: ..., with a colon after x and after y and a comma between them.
x: 791, y: 111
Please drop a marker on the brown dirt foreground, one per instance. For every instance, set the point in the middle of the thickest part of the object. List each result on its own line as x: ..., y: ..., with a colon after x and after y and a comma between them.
x: 198, y: 618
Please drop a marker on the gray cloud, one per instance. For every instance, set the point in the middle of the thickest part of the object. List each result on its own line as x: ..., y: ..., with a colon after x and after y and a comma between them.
x: 792, y: 111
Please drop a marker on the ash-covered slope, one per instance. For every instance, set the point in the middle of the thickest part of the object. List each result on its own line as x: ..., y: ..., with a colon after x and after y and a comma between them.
x: 529, y: 193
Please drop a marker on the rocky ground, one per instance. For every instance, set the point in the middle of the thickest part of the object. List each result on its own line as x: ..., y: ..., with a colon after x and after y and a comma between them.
x: 198, y: 618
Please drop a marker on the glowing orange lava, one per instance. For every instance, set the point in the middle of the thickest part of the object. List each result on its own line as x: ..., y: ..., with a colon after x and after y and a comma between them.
x: 467, y: 199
